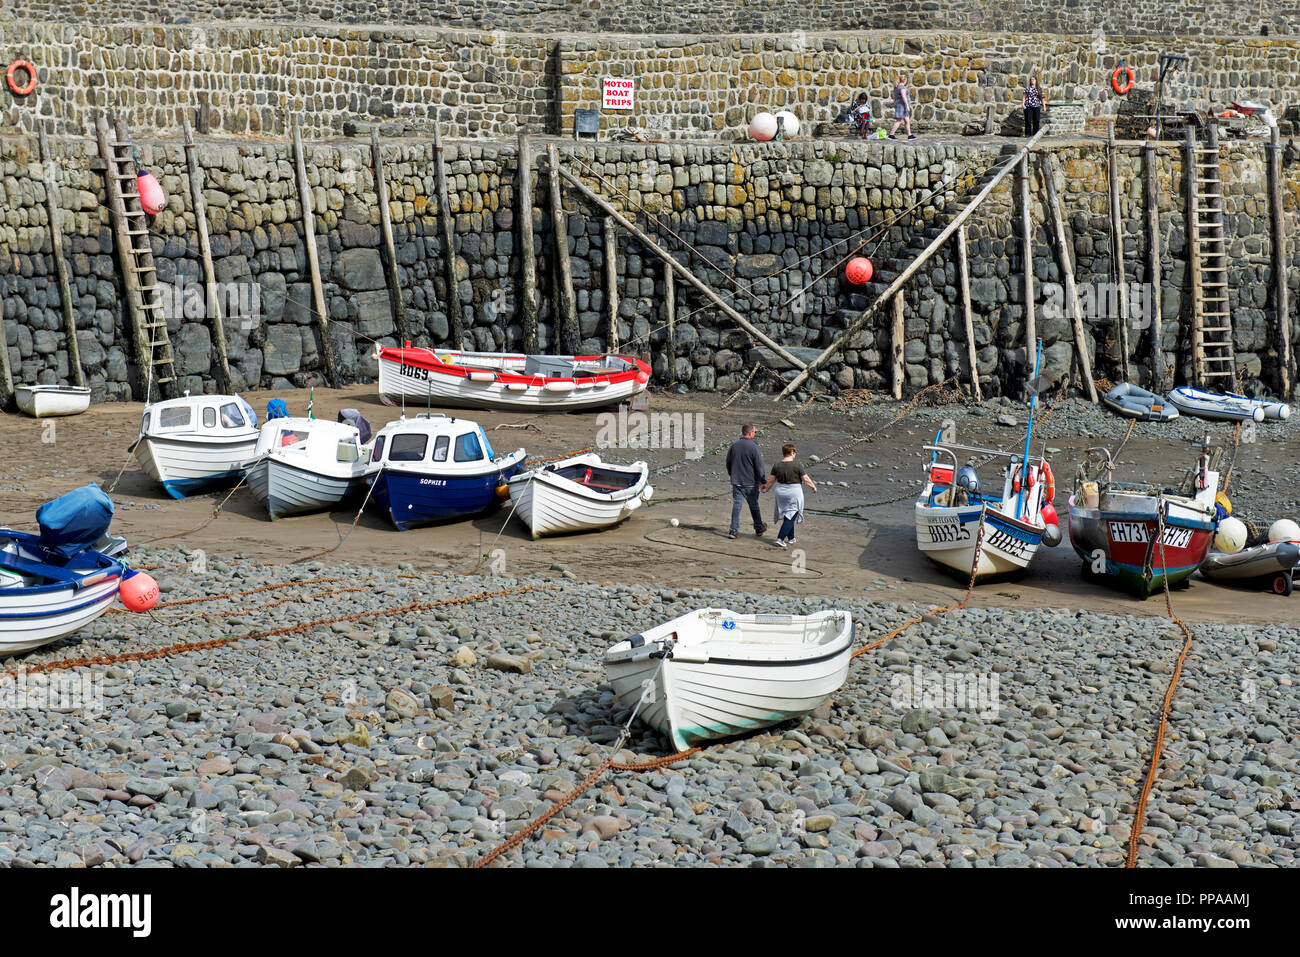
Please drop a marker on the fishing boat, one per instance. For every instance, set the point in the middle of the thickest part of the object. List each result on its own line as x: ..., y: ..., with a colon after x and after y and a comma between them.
x: 578, y: 494
x: 58, y: 581
x: 1141, y: 536
x: 956, y: 519
x: 713, y: 673
x: 433, y: 468
x: 42, y: 401
x: 1226, y: 406
x: 505, y: 380
x: 305, y: 465
x: 196, y: 443
x: 1133, y: 402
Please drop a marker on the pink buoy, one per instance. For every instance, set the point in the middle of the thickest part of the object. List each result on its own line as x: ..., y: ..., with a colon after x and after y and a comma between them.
x: 152, y: 197
x: 139, y: 592
x: 763, y: 127
x: 858, y: 271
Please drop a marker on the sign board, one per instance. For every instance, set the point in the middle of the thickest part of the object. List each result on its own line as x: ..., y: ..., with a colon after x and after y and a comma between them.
x: 616, y: 93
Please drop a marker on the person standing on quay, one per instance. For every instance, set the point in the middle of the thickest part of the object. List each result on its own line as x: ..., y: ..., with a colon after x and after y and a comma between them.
x: 1032, y: 102
x: 902, y: 110
x: 745, y: 466
x: 789, y: 478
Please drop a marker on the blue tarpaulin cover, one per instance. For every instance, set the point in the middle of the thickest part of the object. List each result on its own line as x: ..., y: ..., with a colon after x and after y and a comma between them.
x: 73, y: 522
x: 276, y: 409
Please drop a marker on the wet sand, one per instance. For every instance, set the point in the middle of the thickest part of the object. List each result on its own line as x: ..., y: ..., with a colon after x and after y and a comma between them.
x: 849, y: 543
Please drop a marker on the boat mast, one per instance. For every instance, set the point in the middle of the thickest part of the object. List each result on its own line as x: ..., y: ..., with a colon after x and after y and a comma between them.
x: 1033, y: 401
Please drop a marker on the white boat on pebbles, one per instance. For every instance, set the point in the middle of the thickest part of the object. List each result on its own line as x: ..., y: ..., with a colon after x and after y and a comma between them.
x: 43, y: 401
x: 307, y: 465
x: 713, y: 673
x: 578, y: 494
x: 196, y: 443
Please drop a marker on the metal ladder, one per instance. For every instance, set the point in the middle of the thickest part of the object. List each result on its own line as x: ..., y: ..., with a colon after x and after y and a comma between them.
x: 153, y: 348
x: 1212, y: 352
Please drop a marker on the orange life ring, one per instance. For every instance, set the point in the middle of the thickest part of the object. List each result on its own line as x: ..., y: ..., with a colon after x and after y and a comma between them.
x: 1121, y: 88
x: 1049, y: 484
x: 31, y: 77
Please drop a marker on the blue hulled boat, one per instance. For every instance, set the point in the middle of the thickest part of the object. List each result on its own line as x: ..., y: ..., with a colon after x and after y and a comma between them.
x: 433, y: 468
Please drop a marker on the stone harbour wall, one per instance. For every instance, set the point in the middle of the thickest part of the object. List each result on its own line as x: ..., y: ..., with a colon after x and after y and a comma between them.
x: 767, y: 225
x: 1157, y: 17
x: 252, y: 78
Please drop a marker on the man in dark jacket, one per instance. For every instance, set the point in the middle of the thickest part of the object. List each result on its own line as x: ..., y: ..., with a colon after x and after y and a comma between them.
x: 745, y: 466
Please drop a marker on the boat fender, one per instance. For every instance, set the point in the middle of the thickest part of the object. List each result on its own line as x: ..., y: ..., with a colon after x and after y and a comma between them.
x: 647, y: 493
x: 11, y: 75
x: 1049, y: 483
x: 1052, y: 535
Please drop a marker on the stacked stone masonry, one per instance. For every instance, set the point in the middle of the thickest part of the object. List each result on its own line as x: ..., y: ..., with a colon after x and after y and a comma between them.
x: 1156, y: 17
x: 252, y: 77
x: 768, y: 225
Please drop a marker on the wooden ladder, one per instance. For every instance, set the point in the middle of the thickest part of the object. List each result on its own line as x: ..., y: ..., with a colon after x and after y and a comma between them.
x: 144, y: 299
x: 1212, y: 353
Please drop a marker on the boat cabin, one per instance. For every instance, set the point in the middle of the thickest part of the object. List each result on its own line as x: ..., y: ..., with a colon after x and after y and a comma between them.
x: 319, y: 440
x: 446, y: 442
x: 215, y: 415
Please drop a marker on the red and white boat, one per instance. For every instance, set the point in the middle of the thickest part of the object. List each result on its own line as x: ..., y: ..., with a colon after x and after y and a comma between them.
x: 507, y: 380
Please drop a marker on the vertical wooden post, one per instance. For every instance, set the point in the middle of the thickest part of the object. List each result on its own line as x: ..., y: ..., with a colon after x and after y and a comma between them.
x: 1117, y: 249
x: 6, y: 374
x: 528, y: 266
x: 963, y: 278
x: 313, y: 257
x: 386, y: 235
x: 1027, y: 258
x: 1281, y: 294
x: 60, y: 264
x: 566, y: 318
x: 611, y: 281
x: 205, y: 254
x: 670, y: 311
x: 1067, y: 270
x: 1153, y: 291
x: 1194, y: 255
x: 896, y: 341
x: 455, y: 318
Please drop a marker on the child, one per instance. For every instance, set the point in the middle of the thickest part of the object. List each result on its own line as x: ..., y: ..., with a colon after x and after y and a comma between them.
x: 861, y: 114
x: 789, y: 478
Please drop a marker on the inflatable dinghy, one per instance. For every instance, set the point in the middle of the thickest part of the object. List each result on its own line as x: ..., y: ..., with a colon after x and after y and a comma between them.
x: 1226, y: 406
x: 1132, y: 402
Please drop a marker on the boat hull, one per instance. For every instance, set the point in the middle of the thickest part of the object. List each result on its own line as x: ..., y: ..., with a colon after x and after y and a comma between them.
x: 1122, y: 542
x: 692, y: 702
x: 45, y: 401
x: 185, y: 467
x: 410, y: 375
x: 288, y: 490
x: 410, y: 498
x: 552, y: 505
x: 947, y: 536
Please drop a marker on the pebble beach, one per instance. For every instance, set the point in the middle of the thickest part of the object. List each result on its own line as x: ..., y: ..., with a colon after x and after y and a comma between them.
x: 407, y: 732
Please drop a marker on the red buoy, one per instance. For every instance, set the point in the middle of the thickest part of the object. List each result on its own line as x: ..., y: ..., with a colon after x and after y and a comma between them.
x: 139, y: 592
x: 152, y: 197
x: 1048, y: 513
x: 858, y: 271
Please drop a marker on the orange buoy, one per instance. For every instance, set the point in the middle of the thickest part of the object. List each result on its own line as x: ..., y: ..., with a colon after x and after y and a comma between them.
x: 152, y: 197
x: 858, y: 271
x: 138, y: 591
x: 1126, y: 85
x: 11, y: 77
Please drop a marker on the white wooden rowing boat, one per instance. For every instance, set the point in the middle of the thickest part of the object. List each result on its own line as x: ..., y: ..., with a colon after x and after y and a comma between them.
x: 713, y: 673
x: 504, y: 380
x: 578, y: 494
x: 42, y: 401
x: 196, y: 443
